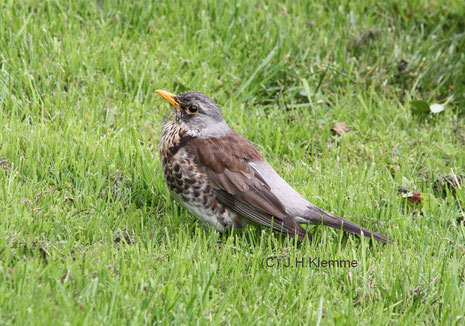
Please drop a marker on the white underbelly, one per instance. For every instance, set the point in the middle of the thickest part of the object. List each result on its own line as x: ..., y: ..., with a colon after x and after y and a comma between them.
x: 202, y: 214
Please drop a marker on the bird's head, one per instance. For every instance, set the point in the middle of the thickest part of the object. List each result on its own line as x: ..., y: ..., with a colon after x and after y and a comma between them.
x: 197, y: 113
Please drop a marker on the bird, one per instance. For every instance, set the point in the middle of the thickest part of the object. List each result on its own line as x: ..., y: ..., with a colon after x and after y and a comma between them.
x: 219, y: 176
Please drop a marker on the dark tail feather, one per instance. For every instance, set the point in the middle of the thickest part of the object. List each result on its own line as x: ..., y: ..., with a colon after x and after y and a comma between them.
x: 316, y: 215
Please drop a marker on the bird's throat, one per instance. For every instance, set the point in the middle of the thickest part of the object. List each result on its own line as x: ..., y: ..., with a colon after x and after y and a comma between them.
x: 173, y: 138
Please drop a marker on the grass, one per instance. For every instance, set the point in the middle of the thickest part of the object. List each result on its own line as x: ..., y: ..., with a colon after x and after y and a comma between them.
x: 89, y: 234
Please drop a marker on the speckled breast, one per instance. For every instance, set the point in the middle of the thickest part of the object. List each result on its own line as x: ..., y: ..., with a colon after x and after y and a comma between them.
x: 189, y: 186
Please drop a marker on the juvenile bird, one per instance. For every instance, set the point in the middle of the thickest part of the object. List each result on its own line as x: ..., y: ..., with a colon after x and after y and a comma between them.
x: 222, y: 179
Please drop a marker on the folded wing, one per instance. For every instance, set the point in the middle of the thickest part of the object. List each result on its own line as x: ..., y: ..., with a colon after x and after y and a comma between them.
x: 238, y: 185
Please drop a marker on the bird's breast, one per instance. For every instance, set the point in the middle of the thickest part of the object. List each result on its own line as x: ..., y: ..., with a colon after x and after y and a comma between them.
x: 191, y: 188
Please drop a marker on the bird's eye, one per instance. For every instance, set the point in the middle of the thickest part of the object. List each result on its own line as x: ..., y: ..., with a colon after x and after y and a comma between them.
x: 192, y: 109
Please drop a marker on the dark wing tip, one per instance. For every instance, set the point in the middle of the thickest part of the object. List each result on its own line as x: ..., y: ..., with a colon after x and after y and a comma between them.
x: 316, y: 215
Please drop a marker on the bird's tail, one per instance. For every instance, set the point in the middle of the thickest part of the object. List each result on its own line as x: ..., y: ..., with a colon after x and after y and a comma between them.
x: 316, y: 216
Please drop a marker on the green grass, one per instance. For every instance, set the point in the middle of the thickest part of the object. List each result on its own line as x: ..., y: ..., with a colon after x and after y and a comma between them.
x: 79, y: 167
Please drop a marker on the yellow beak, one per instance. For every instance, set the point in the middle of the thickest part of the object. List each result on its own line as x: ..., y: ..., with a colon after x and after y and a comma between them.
x: 169, y: 98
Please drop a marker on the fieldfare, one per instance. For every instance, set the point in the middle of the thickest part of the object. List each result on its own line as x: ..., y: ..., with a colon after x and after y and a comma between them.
x: 223, y: 180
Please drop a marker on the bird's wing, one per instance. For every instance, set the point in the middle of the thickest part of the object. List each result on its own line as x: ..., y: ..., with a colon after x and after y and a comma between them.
x: 226, y: 162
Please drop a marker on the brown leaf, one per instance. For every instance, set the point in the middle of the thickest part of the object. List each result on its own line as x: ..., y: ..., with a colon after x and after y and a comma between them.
x: 415, y: 197
x: 340, y: 128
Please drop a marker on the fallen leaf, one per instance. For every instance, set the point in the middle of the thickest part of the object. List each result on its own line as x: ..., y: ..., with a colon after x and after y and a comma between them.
x: 436, y: 108
x: 415, y: 197
x: 412, y: 196
x: 419, y: 107
x: 340, y: 128
x: 422, y: 107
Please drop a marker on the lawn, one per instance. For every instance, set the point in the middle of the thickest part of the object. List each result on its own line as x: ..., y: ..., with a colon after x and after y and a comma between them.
x: 89, y: 234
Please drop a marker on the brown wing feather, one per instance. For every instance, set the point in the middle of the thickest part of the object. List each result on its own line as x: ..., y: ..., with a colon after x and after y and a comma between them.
x: 237, y: 185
